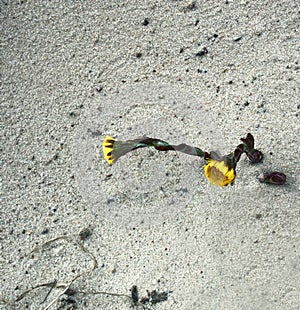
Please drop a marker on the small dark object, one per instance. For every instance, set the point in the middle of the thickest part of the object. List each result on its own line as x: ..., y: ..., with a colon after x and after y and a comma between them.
x: 145, y: 22
x: 45, y: 231
x: 203, y: 52
x: 190, y: 7
x: 134, y: 295
x: 238, y: 39
x: 85, y: 234
x: 155, y: 297
x: 275, y: 177
x: 98, y: 89
x: 70, y: 292
x: 67, y: 303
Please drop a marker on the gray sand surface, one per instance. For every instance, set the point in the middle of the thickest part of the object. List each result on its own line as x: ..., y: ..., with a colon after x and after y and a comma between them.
x: 203, y: 72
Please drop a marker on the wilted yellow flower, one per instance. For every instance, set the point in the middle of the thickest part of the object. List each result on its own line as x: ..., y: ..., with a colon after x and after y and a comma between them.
x: 219, y: 173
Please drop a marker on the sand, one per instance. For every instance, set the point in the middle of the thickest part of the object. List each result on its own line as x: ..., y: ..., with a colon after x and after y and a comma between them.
x: 78, y: 234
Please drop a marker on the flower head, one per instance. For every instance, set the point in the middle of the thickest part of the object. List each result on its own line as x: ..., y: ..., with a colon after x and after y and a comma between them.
x: 113, y: 149
x: 219, y: 172
x: 107, y: 147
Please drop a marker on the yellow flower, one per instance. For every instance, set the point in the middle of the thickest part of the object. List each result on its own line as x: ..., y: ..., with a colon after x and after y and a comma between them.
x: 107, y: 147
x: 218, y: 172
x: 113, y: 149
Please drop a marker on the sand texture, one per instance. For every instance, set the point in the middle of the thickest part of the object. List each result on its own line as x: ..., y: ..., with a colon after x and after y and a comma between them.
x: 76, y: 233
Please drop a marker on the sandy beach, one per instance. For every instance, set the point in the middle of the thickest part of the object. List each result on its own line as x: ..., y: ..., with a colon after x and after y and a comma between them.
x: 148, y: 232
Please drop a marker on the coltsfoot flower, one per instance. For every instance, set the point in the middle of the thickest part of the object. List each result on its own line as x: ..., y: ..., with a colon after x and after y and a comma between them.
x: 113, y: 149
x: 219, y: 173
x: 107, y: 146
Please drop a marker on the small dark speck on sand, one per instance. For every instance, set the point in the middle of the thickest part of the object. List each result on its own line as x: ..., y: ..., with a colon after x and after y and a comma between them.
x: 145, y: 22
x: 203, y: 52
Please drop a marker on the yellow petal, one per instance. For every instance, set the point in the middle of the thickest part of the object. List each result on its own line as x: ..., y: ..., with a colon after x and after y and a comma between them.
x: 218, y: 173
x: 107, y: 146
